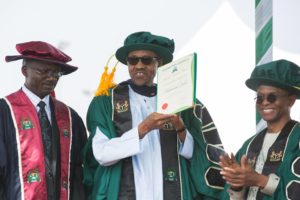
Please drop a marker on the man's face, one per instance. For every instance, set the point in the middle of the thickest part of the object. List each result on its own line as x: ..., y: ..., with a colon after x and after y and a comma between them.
x: 274, y: 104
x: 142, y: 71
x: 41, y: 77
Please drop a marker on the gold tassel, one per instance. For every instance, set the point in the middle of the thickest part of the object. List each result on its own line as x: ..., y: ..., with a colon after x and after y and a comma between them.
x: 107, y: 80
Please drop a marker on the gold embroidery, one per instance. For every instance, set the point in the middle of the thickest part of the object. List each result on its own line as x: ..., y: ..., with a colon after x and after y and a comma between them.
x: 274, y: 157
x: 122, y: 107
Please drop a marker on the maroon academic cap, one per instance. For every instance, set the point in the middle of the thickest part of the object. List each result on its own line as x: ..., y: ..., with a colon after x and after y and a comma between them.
x: 38, y: 50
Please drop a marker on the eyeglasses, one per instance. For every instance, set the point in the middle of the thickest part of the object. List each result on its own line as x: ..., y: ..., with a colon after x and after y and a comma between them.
x: 48, y: 73
x: 271, y: 98
x: 146, y: 60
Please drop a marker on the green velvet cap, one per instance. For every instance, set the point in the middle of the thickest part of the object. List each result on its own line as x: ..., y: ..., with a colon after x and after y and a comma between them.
x: 280, y: 73
x: 160, y: 45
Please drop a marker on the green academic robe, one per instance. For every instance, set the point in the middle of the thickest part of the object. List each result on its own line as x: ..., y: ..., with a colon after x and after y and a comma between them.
x: 283, y: 160
x: 200, y: 175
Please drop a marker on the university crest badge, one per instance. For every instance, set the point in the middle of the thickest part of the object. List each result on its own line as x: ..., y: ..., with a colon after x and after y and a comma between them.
x: 275, y: 157
x: 26, y: 124
x: 168, y: 126
x: 65, y: 183
x: 65, y: 132
x: 122, y: 106
x: 33, y: 176
x: 170, y: 175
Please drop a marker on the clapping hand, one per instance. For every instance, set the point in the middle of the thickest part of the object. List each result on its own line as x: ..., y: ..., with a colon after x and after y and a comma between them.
x: 240, y: 175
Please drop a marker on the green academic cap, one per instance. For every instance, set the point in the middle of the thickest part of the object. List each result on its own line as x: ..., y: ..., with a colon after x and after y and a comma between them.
x: 162, y: 46
x: 280, y: 73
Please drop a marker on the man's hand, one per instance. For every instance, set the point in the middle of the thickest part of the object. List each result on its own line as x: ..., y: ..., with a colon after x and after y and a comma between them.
x: 179, y: 126
x: 154, y: 121
x: 243, y: 175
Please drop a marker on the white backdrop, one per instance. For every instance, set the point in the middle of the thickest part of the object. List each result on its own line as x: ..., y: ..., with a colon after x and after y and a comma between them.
x: 221, y: 32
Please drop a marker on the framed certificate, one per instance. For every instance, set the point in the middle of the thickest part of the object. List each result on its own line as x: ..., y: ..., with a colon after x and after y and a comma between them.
x: 176, y: 85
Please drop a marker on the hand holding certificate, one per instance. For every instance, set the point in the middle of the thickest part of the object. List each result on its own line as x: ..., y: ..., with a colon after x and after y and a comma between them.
x: 176, y: 85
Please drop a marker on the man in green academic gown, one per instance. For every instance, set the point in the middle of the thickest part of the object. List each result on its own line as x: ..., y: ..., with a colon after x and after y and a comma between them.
x: 268, y: 164
x: 134, y: 152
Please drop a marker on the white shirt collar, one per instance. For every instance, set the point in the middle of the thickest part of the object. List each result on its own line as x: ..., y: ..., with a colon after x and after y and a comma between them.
x: 34, y: 98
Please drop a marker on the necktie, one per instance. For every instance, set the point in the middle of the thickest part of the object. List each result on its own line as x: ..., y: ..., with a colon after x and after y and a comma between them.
x: 45, y: 128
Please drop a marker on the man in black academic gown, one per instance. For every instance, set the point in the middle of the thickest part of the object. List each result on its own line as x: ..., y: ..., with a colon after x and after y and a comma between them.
x: 41, y: 138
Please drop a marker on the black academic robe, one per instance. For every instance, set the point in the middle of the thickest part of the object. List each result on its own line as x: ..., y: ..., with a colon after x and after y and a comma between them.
x: 10, y: 182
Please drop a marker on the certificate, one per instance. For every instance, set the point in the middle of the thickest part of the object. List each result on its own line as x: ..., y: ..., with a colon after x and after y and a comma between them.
x: 176, y: 85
